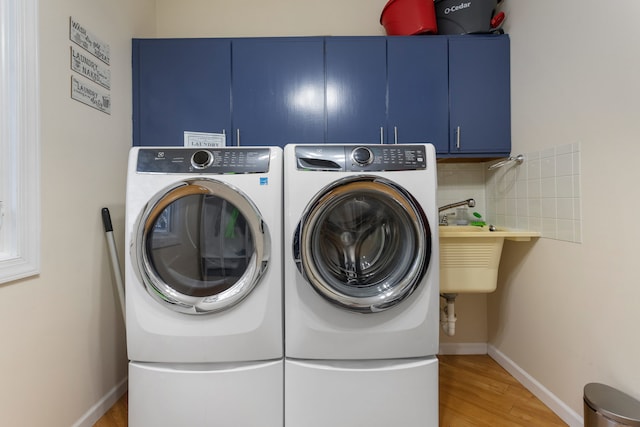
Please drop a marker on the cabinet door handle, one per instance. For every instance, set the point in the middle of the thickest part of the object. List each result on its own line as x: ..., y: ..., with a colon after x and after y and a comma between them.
x: 395, y: 134
x: 238, y: 137
x: 458, y: 137
x: 381, y: 135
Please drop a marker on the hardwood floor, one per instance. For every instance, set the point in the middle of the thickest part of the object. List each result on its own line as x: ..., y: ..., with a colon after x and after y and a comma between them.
x: 474, y: 391
x: 117, y: 415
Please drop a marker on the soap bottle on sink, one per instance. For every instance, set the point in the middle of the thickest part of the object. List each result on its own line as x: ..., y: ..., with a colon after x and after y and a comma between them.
x: 462, y: 217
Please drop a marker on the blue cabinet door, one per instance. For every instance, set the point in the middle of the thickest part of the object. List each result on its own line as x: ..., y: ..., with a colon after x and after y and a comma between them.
x: 278, y: 91
x: 180, y: 85
x: 418, y: 110
x: 356, y: 73
x: 479, y: 95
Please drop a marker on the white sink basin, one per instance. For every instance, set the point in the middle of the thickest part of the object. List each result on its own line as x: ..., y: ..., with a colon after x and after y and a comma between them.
x: 469, y: 257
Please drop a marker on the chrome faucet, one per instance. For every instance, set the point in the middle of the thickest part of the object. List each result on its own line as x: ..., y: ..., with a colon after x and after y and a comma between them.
x: 443, y: 219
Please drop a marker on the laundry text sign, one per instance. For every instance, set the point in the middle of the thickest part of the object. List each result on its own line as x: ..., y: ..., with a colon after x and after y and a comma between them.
x: 204, y: 139
x: 88, y: 41
x: 90, y: 95
x: 93, y: 70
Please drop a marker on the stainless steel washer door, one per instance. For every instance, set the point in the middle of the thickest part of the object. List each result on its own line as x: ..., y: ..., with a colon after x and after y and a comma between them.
x: 200, y: 246
x: 363, y: 243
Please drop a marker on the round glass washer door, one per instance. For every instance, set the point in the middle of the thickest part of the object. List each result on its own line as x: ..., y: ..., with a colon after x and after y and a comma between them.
x: 201, y: 246
x: 363, y: 243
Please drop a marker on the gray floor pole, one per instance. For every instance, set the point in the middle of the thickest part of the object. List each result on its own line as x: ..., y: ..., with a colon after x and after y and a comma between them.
x: 115, y: 262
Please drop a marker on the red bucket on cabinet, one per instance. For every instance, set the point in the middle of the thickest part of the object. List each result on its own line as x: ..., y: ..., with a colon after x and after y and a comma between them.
x: 408, y: 17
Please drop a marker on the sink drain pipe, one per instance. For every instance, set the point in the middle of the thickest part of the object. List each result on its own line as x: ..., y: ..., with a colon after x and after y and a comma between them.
x: 448, y: 314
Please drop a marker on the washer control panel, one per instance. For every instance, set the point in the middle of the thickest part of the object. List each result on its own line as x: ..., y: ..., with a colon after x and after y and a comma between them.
x: 356, y: 158
x: 203, y: 160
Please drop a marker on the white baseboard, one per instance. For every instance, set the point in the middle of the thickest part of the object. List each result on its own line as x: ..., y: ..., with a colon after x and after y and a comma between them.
x: 568, y: 415
x: 463, y: 348
x: 103, y: 405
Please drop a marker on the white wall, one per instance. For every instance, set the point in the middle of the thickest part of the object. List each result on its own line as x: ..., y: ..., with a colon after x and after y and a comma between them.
x: 243, y: 18
x: 63, y: 345
x: 567, y: 313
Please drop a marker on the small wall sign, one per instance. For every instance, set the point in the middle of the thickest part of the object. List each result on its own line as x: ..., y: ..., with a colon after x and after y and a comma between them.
x: 204, y: 139
x: 91, y: 95
x: 88, y: 41
x: 93, y: 70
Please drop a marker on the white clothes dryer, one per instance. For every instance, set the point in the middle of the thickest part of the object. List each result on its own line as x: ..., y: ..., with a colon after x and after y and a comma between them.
x: 203, y: 282
x: 361, y: 285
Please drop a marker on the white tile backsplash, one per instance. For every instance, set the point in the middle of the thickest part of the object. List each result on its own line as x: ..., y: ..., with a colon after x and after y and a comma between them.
x: 541, y: 194
x: 548, y: 167
x: 564, y: 186
x: 564, y: 165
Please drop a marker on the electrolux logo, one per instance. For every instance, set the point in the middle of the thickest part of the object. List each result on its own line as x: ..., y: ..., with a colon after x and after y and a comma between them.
x: 457, y: 8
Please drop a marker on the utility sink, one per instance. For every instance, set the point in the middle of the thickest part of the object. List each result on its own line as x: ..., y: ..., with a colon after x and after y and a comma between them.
x: 470, y: 255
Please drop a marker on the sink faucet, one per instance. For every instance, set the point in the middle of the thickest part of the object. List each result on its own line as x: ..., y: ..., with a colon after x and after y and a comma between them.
x: 469, y: 202
x: 443, y: 219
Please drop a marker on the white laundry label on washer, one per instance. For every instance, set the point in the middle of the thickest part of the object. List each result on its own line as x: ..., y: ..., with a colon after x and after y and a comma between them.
x: 204, y: 139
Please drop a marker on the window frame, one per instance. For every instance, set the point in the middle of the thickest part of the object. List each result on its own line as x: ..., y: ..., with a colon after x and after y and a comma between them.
x: 19, y: 140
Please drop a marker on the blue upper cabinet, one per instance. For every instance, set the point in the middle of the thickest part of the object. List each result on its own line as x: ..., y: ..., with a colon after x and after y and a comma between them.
x: 278, y: 91
x: 356, y: 89
x: 451, y: 91
x: 180, y: 85
x: 479, y: 96
x: 417, y: 74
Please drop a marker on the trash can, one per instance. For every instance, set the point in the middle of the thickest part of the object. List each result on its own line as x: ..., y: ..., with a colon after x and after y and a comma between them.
x: 605, y: 406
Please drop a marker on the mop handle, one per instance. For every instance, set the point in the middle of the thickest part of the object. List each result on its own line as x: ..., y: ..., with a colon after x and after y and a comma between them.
x: 115, y: 263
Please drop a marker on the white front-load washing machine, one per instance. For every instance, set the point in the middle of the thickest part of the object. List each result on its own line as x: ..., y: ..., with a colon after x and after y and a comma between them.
x: 361, y: 285
x: 203, y: 281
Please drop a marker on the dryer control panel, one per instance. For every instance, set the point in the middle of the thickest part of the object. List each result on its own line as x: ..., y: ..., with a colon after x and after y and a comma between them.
x: 361, y: 158
x: 198, y: 160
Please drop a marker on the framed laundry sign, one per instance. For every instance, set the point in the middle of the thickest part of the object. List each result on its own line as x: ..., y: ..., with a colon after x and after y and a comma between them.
x: 204, y: 139
x: 90, y: 57
x: 91, y: 95
x: 95, y: 71
x: 88, y: 41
